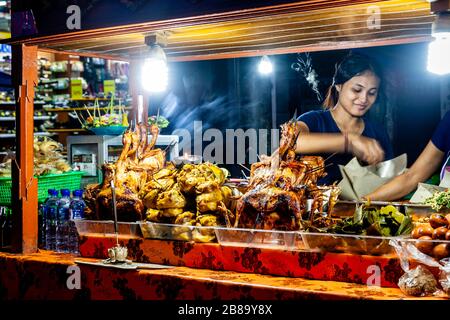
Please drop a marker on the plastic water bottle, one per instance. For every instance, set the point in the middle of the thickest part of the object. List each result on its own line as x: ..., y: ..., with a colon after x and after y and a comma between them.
x: 76, y: 210
x: 42, y: 219
x: 62, y: 222
x: 51, y: 210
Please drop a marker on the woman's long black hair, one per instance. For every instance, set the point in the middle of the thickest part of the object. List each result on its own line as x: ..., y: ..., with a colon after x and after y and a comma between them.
x: 352, y: 65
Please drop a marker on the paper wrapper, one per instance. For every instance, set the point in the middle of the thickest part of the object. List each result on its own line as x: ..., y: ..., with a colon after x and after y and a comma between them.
x: 425, y: 191
x: 445, y: 182
x: 358, y: 180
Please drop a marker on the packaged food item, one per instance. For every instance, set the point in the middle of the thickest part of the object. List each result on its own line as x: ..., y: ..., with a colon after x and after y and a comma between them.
x: 418, y: 282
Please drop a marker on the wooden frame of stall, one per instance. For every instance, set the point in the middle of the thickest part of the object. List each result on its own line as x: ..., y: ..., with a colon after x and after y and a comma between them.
x: 311, y: 25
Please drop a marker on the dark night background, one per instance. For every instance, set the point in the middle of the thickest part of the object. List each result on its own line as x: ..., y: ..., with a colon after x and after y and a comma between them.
x: 232, y: 94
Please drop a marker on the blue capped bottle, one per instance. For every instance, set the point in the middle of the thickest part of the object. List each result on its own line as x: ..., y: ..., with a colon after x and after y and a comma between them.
x: 76, y: 210
x: 62, y: 222
x: 51, y: 210
x: 42, y: 219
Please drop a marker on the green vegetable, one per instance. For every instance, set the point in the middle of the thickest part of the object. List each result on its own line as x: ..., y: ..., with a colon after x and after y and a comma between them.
x: 439, y: 200
x: 161, y: 121
x: 367, y: 220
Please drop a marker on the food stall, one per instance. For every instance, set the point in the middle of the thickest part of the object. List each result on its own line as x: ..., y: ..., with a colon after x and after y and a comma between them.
x: 243, y: 258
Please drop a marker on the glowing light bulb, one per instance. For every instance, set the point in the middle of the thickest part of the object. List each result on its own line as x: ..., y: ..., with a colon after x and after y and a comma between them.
x: 265, y: 66
x: 155, y: 75
x: 439, y: 53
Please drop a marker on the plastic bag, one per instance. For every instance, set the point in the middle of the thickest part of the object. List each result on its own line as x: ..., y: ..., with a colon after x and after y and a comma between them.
x: 444, y: 277
x: 418, y: 281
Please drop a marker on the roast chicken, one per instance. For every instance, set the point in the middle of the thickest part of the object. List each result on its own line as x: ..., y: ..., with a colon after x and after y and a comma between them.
x: 136, y: 165
x: 280, y: 186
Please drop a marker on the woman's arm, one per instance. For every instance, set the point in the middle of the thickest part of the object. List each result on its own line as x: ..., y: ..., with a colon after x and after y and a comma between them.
x: 366, y: 149
x: 427, y: 163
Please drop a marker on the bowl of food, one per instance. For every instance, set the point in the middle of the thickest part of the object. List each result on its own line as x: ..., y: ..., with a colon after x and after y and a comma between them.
x: 108, y: 130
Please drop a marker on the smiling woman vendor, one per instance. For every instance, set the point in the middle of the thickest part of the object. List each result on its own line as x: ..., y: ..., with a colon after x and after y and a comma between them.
x: 342, y: 128
x: 435, y: 154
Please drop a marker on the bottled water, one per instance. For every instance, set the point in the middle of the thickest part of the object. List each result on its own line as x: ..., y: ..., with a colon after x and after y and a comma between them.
x: 76, y: 210
x: 51, y: 209
x: 62, y: 222
x: 77, y: 205
x: 42, y: 219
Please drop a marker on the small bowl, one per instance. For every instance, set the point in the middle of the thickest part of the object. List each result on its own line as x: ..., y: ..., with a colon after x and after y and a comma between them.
x: 108, y: 131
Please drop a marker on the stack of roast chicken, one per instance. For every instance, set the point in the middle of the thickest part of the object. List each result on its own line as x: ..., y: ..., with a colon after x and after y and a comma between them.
x: 281, y: 192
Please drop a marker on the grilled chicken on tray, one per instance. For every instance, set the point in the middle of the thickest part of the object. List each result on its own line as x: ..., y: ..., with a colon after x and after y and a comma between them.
x: 137, y: 162
x: 280, y: 185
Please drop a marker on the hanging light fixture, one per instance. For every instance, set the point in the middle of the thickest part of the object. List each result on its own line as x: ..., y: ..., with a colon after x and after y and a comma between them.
x: 439, y: 49
x: 155, y: 73
x: 265, y: 65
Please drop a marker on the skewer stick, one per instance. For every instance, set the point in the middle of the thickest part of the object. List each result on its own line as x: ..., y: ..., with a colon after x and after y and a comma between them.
x: 318, y: 168
x: 330, y: 156
x: 81, y: 116
x: 87, y: 109
x: 172, y: 143
x: 243, y: 173
x: 116, y: 231
x: 78, y: 118
x: 244, y: 167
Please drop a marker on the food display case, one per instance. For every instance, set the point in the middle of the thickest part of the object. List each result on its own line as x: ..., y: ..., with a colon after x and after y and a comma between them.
x: 309, y: 255
x: 88, y: 153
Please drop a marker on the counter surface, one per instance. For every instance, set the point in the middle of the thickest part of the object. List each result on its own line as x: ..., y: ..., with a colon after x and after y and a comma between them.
x: 45, y: 275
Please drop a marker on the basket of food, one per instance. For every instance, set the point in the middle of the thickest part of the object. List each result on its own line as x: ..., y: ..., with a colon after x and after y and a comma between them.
x: 50, y: 169
x: 107, y: 122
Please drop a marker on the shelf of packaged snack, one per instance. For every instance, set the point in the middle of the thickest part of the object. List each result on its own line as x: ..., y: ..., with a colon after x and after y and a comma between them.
x: 80, y: 109
x: 67, y: 130
x: 93, y: 99
x: 35, y: 118
x: 13, y: 135
x: 13, y: 102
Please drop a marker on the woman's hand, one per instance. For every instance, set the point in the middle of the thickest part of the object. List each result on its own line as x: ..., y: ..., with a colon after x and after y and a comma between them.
x: 365, y: 149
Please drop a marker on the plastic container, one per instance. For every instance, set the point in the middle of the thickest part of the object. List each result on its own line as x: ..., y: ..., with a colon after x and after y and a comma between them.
x: 417, y: 210
x: 106, y: 228
x: 308, y: 241
x: 434, y: 249
x: 163, y: 231
x: 70, y: 180
x: 272, y: 239
x: 345, y: 243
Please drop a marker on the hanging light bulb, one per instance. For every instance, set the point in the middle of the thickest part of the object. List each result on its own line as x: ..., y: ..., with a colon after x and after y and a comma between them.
x: 155, y: 73
x: 439, y: 49
x: 265, y: 66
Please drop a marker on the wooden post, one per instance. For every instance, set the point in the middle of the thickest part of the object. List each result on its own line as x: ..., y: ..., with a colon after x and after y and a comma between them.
x: 24, y: 186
